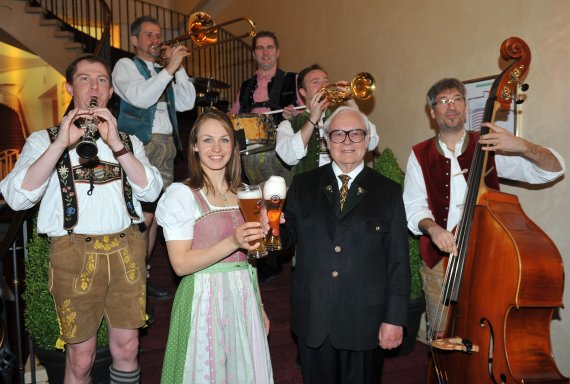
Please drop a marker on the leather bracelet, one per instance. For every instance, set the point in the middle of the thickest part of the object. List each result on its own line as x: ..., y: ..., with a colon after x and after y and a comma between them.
x: 120, y: 152
x: 314, y: 125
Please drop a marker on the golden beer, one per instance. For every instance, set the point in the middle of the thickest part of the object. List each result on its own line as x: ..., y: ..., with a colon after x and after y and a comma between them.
x: 274, y: 192
x: 250, y: 203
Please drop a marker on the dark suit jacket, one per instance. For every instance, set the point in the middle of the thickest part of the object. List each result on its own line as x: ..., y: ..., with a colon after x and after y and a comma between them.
x: 352, y: 268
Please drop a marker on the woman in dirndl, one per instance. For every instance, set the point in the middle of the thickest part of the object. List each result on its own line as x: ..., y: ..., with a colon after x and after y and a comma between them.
x: 218, y: 328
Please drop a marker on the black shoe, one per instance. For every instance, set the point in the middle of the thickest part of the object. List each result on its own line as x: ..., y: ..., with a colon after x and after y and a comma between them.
x: 156, y: 292
x: 151, y: 316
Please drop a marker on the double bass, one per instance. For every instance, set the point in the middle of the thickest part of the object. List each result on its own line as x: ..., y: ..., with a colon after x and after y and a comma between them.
x: 504, y: 285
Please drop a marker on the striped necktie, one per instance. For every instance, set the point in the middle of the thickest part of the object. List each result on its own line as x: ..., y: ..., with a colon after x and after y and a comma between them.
x: 343, y: 189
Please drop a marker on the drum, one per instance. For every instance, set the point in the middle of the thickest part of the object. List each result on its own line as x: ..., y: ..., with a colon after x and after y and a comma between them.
x: 258, y: 129
x: 259, y: 166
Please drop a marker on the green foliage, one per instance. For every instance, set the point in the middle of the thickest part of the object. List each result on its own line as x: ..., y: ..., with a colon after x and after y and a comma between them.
x: 387, y: 165
x: 39, y: 312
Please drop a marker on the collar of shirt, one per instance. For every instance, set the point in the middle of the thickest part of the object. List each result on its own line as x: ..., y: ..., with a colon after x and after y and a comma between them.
x: 352, y: 174
x: 458, y: 146
x: 151, y: 65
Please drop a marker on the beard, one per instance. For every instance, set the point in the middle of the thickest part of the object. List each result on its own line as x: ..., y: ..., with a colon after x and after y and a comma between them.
x: 451, y: 124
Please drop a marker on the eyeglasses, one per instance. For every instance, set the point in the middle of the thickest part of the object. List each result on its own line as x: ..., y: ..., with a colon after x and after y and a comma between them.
x: 355, y: 135
x: 446, y: 101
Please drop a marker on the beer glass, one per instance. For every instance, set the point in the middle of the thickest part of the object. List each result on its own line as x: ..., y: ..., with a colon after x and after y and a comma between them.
x: 250, y: 202
x: 274, y: 192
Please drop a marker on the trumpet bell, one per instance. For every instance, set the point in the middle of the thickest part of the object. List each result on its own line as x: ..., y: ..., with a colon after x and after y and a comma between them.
x: 363, y: 86
x: 201, y: 29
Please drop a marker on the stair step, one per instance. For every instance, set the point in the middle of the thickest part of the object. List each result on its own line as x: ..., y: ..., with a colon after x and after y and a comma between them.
x: 50, y: 22
x: 73, y: 45
x: 32, y: 9
x: 63, y: 34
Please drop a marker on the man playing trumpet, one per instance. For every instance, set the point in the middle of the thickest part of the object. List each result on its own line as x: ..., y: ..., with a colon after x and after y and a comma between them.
x: 150, y: 97
x: 300, y: 142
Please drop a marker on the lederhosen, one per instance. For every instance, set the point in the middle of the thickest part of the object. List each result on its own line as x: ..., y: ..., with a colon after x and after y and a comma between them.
x: 77, y: 284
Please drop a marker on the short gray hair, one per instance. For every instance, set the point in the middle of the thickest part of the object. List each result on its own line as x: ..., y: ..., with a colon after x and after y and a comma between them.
x: 442, y: 85
x: 347, y: 108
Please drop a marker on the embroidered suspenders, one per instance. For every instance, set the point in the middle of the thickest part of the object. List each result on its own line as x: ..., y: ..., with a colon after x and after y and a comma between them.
x: 67, y: 175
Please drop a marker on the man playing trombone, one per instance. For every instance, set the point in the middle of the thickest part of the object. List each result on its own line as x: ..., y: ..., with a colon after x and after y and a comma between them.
x: 300, y: 142
x: 150, y: 97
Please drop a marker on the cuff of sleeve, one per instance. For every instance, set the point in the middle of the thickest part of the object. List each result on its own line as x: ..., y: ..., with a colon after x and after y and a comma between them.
x: 32, y: 196
x: 298, y: 147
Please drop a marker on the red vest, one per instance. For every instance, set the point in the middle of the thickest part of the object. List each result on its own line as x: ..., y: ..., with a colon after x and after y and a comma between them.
x: 436, y: 170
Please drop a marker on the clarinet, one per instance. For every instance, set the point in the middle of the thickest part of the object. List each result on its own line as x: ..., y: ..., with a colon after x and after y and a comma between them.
x: 87, y: 147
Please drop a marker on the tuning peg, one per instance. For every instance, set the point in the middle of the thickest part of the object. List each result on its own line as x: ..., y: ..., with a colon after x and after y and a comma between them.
x: 518, y: 100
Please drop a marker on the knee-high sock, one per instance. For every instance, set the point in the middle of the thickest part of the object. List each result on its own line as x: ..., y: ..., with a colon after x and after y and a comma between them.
x: 120, y: 377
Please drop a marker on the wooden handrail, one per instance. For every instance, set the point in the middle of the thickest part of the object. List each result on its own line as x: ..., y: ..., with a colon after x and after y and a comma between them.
x: 8, y: 159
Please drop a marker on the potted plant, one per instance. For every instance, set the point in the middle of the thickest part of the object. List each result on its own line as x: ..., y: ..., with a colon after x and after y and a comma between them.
x: 41, y: 321
x: 387, y: 165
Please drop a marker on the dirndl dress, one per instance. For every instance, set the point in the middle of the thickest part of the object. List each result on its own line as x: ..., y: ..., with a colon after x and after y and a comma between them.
x: 217, y: 334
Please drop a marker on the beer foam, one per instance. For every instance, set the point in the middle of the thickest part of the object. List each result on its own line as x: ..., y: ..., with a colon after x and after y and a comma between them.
x: 251, y: 194
x: 274, y: 186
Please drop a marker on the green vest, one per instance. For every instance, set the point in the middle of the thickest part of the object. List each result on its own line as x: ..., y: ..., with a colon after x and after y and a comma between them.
x: 138, y: 122
x: 311, y: 160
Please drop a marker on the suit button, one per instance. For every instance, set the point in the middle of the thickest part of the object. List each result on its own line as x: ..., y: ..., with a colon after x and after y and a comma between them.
x: 377, y: 228
x: 337, y: 248
x: 334, y: 274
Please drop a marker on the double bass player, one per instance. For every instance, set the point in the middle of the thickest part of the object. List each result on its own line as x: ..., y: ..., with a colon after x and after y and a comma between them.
x: 436, y: 179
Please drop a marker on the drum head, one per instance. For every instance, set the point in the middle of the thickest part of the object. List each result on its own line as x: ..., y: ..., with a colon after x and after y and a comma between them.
x: 257, y: 128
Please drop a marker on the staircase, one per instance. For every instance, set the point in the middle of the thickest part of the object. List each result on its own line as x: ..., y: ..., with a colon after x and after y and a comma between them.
x: 59, y: 31
x: 29, y: 25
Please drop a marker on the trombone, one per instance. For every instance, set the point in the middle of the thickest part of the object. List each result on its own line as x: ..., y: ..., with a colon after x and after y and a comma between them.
x: 202, y: 30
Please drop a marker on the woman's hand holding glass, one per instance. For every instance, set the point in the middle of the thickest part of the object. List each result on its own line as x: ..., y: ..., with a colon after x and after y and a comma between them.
x: 246, y: 234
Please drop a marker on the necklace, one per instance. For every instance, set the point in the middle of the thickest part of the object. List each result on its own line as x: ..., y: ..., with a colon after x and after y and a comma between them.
x: 232, y: 211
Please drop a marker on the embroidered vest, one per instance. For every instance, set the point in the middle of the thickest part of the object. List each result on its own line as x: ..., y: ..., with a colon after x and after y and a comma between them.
x: 311, y: 160
x: 66, y: 175
x: 436, y: 170
x: 137, y: 121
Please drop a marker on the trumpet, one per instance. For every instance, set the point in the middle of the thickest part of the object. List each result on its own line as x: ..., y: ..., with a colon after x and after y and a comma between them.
x: 362, y: 87
x: 87, y: 147
x: 202, y: 30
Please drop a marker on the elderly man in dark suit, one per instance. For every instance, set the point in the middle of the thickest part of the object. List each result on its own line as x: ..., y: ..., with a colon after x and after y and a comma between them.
x: 351, y: 282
